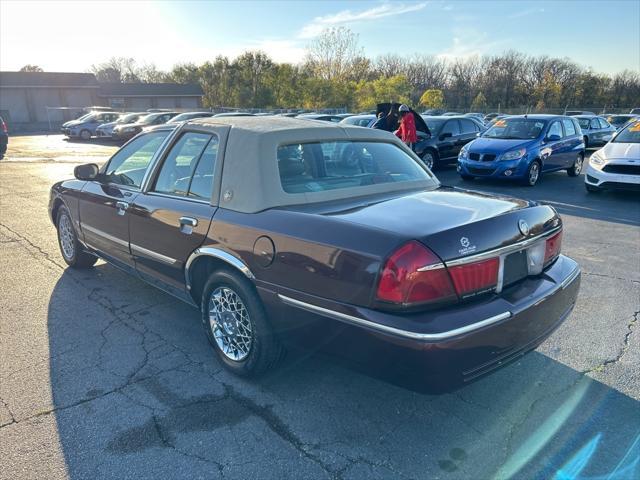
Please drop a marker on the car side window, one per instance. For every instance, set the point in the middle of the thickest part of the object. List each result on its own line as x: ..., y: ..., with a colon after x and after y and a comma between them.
x: 468, y: 126
x: 180, y: 163
x: 555, y: 129
x: 129, y: 164
x: 202, y: 179
x: 603, y: 123
x: 594, y: 124
x: 569, y: 127
x: 451, y: 127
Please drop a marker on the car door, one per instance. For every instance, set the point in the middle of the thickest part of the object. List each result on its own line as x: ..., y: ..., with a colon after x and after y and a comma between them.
x: 468, y: 132
x: 607, y: 129
x: 554, y: 151
x: 447, y: 139
x: 171, y: 218
x: 103, y: 203
x: 572, y: 141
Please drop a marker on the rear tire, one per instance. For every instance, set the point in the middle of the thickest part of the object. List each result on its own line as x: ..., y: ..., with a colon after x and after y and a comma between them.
x: 575, y: 170
x: 70, y: 248
x: 237, y: 325
x: 533, y: 174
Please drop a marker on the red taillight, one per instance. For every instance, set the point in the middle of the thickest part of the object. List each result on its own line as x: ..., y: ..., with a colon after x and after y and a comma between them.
x: 476, y: 276
x: 552, y: 248
x: 414, y: 274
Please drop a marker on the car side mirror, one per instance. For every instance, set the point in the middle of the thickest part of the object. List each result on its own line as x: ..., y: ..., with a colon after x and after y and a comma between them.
x: 552, y: 138
x: 446, y: 135
x: 86, y: 172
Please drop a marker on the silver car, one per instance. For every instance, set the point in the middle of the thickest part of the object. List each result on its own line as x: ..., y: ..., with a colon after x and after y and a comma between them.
x: 596, y: 130
x: 106, y: 129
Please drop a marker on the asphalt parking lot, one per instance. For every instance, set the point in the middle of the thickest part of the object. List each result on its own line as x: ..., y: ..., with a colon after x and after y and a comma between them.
x: 104, y: 376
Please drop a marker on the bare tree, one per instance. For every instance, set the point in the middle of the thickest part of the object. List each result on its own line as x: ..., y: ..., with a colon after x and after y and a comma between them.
x: 116, y: 69
x: 332, y: 55
x: 390, y: 65
x: 31, y: 68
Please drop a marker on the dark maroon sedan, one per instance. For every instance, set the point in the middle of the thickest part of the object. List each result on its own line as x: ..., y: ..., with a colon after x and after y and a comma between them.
x: 284, y: 231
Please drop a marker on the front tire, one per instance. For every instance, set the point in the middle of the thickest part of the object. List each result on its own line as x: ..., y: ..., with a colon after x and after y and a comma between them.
x: 85, y: 135
x: 237, y: 325
x: 429, y: 158
x: 533, y: 174
x: 575, y: 170
x: 70, y: 248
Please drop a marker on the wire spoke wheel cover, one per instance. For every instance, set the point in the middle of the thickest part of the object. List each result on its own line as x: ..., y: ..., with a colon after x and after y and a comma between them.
x: 230, y: 324
x: 578, y: 165
x: 65, y: 231
x: 534, y: 171
x: 427, y: 158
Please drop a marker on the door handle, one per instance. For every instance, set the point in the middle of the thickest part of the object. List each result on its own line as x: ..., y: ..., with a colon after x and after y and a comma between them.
x: 187, y: 224
x: 121, y: 207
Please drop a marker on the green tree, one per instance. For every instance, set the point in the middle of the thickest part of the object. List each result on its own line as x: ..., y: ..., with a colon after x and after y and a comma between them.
x: 432, y: 98
x: 479, y: 103
x: 392, y: 89
x: 184, y: 73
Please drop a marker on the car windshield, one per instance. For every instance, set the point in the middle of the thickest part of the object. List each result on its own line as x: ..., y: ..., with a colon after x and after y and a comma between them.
x: 317, y: 167
x: 619, y: 119
x: 188, y: 116
x: 516, y: 129
x: 434, y: 124
x: 149, y: 118
x: 631, y: 134
x: 131, y: 117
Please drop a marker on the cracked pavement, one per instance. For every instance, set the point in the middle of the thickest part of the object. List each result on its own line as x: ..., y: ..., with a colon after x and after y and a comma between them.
x: 102, y: 376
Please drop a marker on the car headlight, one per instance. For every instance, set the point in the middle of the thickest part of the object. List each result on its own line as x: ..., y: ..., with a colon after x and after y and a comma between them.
x: 464, y: 153
x: 514, y: 154
x: 596, y: 159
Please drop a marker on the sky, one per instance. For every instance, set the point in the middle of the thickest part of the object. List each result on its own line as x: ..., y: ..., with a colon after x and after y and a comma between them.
x: 72, y: 35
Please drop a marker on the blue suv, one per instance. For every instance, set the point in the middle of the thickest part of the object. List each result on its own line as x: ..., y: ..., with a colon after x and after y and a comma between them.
x: 524, y: 146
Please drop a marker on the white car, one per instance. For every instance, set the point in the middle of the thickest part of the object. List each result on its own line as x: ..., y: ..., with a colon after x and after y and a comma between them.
x: 617, y: 164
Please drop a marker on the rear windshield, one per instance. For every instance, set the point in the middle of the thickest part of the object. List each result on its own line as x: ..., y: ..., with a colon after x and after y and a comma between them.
x: 516, y: 129
x: 631, y: 134
x: 619, y: 119
x: 317, y: 167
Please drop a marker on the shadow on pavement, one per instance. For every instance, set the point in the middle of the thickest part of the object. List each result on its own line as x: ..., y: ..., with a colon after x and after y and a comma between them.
x: 138, y: 393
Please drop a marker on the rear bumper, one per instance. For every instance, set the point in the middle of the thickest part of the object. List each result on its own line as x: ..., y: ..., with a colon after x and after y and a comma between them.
x: 446, y: 347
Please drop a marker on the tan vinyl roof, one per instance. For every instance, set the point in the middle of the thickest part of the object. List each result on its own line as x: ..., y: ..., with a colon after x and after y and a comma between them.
x: 250, y: 176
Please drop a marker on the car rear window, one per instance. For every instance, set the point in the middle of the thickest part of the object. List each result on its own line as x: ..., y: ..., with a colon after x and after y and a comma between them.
x: 321, y: 166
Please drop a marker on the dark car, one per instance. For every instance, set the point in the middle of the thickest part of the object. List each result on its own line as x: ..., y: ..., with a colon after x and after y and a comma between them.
x: 4, y: 138
x: 321, y: 116
x: 573, y: 113
x: 448, y: 136
x: 596, y: 131
x: 282, y: 231
x: 522, y: 147
x: 490, y: 116
x: 619, y: 121
x: 183, y: 117
x: 635, y: 111
x: 106, y: 129
x: 125, y: 132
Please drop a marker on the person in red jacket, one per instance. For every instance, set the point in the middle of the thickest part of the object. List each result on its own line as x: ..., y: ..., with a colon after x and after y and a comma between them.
x: 407, y: 130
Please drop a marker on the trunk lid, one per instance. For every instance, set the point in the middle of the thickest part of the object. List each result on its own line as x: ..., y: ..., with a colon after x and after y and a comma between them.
x: 453, y: 223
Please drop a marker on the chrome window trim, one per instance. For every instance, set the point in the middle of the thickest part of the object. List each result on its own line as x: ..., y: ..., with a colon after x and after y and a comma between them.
x: 501, y: 250
x: 144, y: 185
x: 219, y: 254
x: 178, y: 197
x: 152, y: 254
x: 343, y: 317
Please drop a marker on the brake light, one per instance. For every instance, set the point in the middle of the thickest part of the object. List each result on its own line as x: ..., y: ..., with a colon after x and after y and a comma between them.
x: 552, y: 248
x: 413, y: 275
x: 475, y: 277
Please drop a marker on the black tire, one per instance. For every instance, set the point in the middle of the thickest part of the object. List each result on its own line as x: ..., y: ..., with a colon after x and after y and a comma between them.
x: 575, y: 170
x: 430, y: 158
x: 586, y: 142
x: 264, y: 350
x: 73, y: 252
x: 85, y: 135
x: 592, y: 188
x: 467, y: 177
x: 530, y: 179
